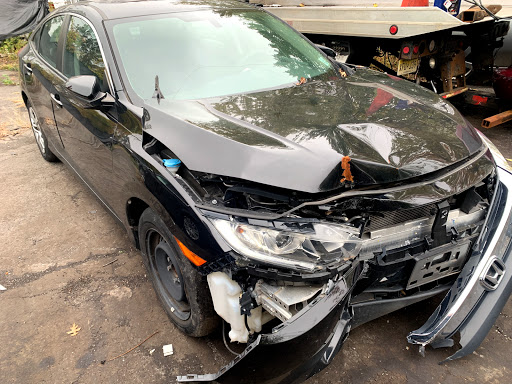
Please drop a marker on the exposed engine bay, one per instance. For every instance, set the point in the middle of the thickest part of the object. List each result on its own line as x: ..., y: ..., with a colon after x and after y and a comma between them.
x: 403, y: 252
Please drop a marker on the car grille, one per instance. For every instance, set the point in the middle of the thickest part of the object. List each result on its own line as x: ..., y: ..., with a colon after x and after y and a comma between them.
x: 392, y: 218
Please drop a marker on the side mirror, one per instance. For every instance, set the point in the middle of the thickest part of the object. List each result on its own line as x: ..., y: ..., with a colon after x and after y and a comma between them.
x: 328, y: 51
x: 88, y: 88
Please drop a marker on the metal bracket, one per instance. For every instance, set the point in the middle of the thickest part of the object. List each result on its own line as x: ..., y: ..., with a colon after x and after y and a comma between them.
x: 439, y: 228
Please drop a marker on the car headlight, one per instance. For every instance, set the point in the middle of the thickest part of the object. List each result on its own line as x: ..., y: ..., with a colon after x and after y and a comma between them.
x: 314, y: 246
x: 500, y: 160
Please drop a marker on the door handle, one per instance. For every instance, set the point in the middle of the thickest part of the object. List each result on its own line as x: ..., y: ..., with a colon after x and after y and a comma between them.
x: 56, y: 98
x: 27, y: 67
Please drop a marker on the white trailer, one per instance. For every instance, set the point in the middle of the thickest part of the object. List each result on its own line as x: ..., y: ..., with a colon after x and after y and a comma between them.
x: 424, y: 44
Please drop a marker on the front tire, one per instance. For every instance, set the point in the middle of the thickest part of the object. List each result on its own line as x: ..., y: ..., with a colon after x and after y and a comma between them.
x: 183, y: 292
x: 42, y: 142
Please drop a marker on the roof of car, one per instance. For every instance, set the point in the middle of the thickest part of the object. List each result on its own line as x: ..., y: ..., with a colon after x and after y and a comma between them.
x: 114, y: 9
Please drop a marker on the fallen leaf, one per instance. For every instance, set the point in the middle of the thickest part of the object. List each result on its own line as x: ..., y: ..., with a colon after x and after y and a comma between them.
x: 301, y: 81
x: 74, y: 330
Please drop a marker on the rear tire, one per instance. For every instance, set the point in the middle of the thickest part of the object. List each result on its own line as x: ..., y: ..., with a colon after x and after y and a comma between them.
x: 42, y: 142
x: 183, y: 292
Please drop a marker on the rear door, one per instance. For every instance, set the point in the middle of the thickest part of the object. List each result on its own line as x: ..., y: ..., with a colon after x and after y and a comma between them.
x: 86, y: 133
x: 40, y: 73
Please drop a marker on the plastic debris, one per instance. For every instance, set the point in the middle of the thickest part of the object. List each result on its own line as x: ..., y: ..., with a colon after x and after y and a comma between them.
x: 2, y: 288
x: 347, y: 174
x: 151, y: 352
x: 168, y: 350
x: 74, y: 330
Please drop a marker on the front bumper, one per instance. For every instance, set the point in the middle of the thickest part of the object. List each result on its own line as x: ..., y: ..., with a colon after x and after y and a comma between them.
x: 483, y: 286
x: 292, y: 361
x: 296, y: 349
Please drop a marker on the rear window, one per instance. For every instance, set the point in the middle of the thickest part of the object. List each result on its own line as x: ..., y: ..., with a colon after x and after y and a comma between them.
x: 213, y: 53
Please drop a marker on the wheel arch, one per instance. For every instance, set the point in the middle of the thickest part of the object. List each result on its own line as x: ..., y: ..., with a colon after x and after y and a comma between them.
x: 24, y: 97
x: 134, y: 209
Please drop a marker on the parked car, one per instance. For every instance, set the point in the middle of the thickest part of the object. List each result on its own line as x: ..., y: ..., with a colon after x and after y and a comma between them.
x: 266, y: 185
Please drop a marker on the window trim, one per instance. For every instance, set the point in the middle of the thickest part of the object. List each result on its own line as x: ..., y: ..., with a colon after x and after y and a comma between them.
x: 33, y: 36
x: 107, y: 67
x: 36, y: 48
x: 60, y: 60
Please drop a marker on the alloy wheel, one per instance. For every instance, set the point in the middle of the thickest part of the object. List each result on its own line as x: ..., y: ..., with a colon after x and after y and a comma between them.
x: 34, y: 122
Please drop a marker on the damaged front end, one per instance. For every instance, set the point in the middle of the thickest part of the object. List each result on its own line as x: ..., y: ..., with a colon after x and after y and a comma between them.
x: 301, y: 272
x: 315, y: 243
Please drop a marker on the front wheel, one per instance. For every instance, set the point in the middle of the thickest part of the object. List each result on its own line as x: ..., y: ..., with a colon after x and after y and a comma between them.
x: 183, y: 292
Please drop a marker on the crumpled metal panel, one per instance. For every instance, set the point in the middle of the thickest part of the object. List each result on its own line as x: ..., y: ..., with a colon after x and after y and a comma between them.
x: 391, y: 130
x: 418, y: 192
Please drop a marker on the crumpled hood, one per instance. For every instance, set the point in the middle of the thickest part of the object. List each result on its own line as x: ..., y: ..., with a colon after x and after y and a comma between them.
x: 296, y: 137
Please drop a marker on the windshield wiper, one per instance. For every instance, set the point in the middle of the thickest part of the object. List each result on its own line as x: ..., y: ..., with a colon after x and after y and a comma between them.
x: 158, y: 93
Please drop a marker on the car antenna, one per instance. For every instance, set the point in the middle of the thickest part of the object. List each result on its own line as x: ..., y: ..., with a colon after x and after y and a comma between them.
x: 158, y: 93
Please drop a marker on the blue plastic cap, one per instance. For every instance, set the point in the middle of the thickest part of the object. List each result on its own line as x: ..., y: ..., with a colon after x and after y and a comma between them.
x: 172, y: 163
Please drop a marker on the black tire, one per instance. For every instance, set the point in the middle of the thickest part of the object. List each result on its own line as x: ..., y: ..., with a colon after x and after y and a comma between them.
x: 42, y: 142
x: 183, y: 292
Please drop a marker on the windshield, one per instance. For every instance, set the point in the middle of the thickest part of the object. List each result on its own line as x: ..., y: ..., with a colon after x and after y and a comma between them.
x: 211, y: 53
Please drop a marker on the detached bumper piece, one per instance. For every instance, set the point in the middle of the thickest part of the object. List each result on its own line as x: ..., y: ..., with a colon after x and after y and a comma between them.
x: 483, y: 286
x: 294, y: 350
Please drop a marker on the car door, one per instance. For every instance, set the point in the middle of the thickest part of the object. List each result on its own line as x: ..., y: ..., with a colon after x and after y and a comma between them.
x: 40, y: 73
x: 86, y: 132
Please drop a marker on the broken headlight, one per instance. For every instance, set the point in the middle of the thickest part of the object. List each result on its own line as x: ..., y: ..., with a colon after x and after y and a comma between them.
x: 309, y: 248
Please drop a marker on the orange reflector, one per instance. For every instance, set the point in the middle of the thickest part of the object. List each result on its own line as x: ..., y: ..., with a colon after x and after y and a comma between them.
x: 196, y: 260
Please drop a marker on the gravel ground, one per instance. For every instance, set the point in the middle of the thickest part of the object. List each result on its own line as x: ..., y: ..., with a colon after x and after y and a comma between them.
x: 56, y: 243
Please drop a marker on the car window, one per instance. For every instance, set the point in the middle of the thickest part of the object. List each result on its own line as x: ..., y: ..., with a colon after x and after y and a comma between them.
x: 209, y: 53
x: 49, y: 40
x: 82, y: 54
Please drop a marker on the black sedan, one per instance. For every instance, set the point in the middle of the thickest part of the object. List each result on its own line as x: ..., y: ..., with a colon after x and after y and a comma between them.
x: 267, y: 185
